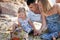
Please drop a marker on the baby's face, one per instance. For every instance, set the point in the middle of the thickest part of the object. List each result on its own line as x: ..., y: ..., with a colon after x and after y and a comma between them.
x: 21, y: 14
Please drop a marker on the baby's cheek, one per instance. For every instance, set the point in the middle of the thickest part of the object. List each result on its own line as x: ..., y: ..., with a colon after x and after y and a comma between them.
x: 19, y: 16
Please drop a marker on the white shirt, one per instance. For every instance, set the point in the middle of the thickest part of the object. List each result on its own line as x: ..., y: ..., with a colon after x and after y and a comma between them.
x: 34, y: 17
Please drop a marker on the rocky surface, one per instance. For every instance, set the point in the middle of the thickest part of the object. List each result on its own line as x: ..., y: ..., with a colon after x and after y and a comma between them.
x: 9, y: 8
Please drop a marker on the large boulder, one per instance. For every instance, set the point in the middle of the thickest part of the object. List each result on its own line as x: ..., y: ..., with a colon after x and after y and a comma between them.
x: 9, y: 8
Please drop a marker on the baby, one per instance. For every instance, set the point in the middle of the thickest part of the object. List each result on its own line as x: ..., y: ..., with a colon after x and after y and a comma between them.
x: 25, y: 22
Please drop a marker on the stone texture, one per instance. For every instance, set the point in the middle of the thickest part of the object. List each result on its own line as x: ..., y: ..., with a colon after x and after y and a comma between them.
x: 9, y: 8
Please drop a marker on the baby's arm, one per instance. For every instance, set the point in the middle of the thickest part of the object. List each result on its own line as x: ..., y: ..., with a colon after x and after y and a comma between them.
x: 19, y: 24
x: 31, y: 23
x: 35, y: 31
x: 16, y: 26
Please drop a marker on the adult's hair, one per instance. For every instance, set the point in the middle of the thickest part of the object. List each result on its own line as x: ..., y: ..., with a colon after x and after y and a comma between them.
x: 0, y: 10
x: 45, y: 4
x: 0, y: 0
x: 30, y: 2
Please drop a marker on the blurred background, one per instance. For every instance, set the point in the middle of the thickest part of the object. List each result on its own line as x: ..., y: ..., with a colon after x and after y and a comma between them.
x: 8, y: 15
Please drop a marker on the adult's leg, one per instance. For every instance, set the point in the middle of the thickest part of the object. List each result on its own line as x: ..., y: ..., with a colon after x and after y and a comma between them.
x: 49, y: 36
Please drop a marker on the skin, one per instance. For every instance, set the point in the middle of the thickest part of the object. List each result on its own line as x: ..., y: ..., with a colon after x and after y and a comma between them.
x: 37, y: 9
x: 54, y: 38
x: 23, y: 16
x: 57, y: 1
x: 34, y: 7
x: 55, y: 9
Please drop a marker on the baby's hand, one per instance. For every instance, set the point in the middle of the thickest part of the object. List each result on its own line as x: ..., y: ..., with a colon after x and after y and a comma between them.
x: 35, y: 32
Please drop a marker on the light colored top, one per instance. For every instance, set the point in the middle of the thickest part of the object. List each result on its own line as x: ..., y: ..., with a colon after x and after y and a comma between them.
x: 34, y: 17
x: 25, y: 25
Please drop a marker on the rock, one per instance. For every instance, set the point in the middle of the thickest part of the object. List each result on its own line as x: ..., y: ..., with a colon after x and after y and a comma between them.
x: 9, y: 8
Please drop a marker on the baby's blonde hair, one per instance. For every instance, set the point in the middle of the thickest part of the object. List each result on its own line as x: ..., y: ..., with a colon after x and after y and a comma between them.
x: 21, y: 9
